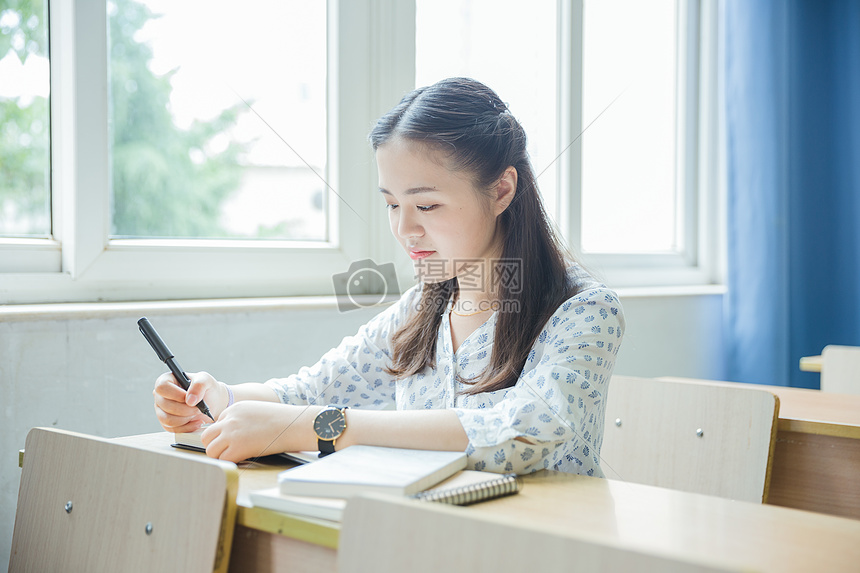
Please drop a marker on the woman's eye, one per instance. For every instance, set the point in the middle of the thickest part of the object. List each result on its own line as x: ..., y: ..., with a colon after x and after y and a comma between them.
x: 426, y: 208
x: 390, y: 206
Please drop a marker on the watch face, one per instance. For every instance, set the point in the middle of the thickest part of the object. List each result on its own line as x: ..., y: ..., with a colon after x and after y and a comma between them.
x: 329, y: 424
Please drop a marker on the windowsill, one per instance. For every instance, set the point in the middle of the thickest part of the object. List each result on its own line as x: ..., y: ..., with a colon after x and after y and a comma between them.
x: 670, y: 291
x: 88, y: 310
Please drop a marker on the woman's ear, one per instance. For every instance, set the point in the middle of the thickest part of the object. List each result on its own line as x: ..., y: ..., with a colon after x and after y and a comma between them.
x: 506, y: 189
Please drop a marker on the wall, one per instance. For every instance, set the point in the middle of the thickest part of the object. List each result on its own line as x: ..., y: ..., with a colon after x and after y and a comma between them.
x: 678, y: 335
x: 89, y: 369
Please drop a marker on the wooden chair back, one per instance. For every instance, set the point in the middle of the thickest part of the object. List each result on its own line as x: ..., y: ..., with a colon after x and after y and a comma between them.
x: 699, y: 437
x: 840, y: 369
x: 429, y: 537
x: 89, y: 504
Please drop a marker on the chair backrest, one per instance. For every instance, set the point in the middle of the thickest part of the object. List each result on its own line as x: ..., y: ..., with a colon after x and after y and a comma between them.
x: 89, y: 504
x: 700, y: 437
x: 385, y: 534
x: 840, y: 369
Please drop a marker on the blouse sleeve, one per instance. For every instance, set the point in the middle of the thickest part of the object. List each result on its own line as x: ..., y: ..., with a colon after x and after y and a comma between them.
x: 351, y: 374
x: 553, y: 416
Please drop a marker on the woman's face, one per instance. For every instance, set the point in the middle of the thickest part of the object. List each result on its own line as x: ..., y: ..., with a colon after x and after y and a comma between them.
x: 441, y: 219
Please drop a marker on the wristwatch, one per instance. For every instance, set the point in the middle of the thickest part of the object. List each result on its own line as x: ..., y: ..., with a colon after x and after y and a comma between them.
x: 329, y: 425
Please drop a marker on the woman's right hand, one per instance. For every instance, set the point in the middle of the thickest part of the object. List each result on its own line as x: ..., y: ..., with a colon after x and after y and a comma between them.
x: 176, y: 409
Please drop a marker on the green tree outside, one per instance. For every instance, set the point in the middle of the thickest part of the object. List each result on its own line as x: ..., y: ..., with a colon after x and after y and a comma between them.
x: 158, y: 189
x: 24, y: 129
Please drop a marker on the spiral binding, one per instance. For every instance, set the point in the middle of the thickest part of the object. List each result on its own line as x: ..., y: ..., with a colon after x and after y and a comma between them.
x: 506, y: 484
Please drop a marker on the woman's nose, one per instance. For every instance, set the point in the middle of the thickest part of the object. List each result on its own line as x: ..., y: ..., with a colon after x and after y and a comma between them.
x: 408, y: 225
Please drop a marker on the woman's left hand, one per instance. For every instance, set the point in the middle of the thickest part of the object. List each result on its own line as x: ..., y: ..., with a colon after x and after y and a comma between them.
x: 250, y: 429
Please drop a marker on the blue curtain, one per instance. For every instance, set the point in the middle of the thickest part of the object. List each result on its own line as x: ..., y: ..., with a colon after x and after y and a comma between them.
x: 792, y: 97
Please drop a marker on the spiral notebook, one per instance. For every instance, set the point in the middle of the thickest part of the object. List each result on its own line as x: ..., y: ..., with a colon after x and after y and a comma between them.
x: 470, y: 487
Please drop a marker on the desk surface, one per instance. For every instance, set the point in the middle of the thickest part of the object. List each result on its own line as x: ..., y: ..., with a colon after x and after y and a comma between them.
x: 760, y: 537
x: 816, y: 412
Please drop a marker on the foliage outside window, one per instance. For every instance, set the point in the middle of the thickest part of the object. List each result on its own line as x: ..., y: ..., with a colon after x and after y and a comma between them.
x: 25, y: 196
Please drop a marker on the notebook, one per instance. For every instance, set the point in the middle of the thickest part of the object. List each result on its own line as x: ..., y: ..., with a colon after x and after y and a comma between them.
x: 361, y: 469
x: 463, y: 488
x: 191, y: 441
x: 474, y: 487
x: 329, y: 508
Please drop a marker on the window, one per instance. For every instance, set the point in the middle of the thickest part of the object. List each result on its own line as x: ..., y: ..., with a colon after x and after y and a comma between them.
x: 510, y: 46
x: 642, y: 206
x: 629, y: 80
x: 201, y: 178
x: 210, y: 139
x: 25, y: 164
x: 25, y: 138
x: 228, y: 156
x: 608, y: 92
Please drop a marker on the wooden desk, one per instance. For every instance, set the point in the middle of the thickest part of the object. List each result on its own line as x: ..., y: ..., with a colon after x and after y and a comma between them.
x: 644, y: 519
x: 816, y: 462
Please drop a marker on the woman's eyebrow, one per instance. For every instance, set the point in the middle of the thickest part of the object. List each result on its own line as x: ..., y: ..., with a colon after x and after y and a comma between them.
x: 413, y: 190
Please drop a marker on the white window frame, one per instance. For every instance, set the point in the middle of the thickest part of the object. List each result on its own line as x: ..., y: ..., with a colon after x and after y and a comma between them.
x: 697, y: 180
x: 371, y: 64
x: 82, y: 263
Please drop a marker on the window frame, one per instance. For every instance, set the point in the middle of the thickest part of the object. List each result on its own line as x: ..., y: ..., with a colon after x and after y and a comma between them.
x: 82, y: 263
x: 371, y: 64
x: 697, y: 179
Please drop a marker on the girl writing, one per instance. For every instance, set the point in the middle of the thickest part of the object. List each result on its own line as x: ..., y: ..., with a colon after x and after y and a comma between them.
x: 503, y: 350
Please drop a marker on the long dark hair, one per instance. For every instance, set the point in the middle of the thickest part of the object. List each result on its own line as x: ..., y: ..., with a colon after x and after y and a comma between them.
x: 467, y: 122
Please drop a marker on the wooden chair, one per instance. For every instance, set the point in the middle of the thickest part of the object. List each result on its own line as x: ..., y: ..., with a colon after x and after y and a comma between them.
x: 385, y: 534
x: 693, y: 436
x: 90, y: 504
x: 840, y: 369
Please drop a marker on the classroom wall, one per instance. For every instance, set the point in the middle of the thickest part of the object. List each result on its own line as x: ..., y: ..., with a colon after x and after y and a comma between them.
x: 91, y: 371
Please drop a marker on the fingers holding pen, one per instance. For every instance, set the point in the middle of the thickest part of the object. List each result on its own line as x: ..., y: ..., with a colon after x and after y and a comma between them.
x: 178, y: 423
x: 171, y: 408
x: 177, y: 417
x: 203, y: 386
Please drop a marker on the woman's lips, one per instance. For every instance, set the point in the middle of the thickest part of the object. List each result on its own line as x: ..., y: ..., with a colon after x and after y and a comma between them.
x: 415, y: 255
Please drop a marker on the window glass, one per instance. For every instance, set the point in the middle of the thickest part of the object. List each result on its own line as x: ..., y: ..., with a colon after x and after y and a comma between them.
x: 629, y: 199
x: 508, y: 45
x: 218, y: 118
x: 25, y: 145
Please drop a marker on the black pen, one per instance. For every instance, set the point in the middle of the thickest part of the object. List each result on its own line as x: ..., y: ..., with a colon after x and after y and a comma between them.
x: 166, y: 356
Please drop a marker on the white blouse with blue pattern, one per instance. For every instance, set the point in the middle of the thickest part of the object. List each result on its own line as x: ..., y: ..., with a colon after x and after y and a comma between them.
x: 551, y: 418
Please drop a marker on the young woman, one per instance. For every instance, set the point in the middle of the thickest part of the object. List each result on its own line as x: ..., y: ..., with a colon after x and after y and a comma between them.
x: 503, y: 350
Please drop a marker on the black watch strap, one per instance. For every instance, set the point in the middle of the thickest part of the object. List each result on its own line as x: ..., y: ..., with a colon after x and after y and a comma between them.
x: 326, y: 447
